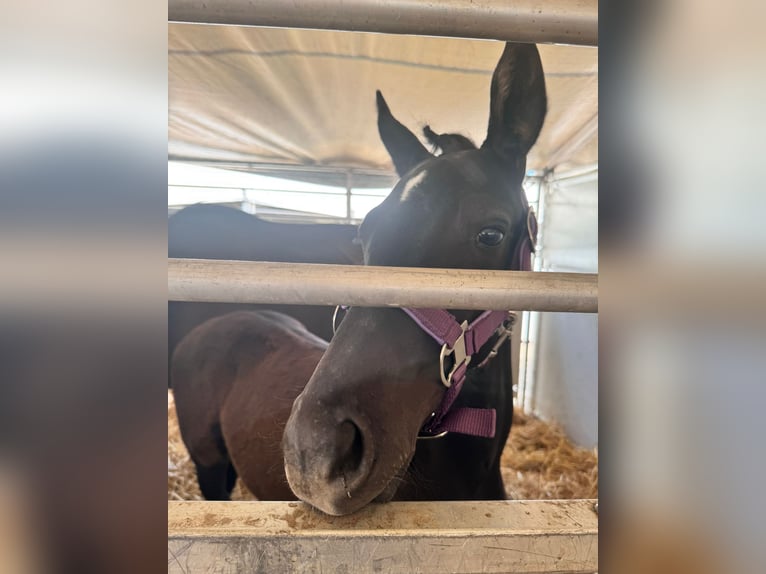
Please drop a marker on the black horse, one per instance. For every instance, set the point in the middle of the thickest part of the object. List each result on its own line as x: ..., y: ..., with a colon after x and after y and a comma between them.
x: 217, y: 232
x: 352, y: 435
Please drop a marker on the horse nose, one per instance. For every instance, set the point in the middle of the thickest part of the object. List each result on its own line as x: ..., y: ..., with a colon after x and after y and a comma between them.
x: 326, y: 461
x: 349, y: 450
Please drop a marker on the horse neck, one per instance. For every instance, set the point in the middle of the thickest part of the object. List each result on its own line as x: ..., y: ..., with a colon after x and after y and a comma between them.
x: 453, y: 469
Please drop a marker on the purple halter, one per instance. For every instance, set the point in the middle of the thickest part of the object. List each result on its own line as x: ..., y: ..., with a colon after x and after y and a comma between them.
x: 463, y: 341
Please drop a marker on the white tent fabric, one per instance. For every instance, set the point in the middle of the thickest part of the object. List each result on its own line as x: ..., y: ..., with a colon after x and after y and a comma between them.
x: 307, y: 97
x: 565, y: 381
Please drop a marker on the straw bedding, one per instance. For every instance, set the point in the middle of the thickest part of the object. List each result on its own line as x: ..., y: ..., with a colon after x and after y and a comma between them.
x: 539, y: 462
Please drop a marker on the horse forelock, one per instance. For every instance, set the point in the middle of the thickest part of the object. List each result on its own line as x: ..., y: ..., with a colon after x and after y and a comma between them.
x: 448, y: 142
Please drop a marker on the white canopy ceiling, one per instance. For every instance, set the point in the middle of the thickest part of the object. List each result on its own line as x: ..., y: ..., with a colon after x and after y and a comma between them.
x: 306, y: 97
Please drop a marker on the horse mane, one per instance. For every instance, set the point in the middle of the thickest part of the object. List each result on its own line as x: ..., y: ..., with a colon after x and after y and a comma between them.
x: 448, y: 143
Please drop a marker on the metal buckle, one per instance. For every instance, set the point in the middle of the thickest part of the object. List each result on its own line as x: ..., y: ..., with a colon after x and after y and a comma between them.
x: 461, y: 356
x: 431, y: 436
x: 422, y: 436
x: 505, y: 331
x: 532, y: 222
x: 335, y: 318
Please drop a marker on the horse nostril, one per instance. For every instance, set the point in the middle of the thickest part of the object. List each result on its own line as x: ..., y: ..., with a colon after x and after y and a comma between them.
x: 349, y: 451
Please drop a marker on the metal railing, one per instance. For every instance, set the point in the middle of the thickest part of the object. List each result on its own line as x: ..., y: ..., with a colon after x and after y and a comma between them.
x: 313, y: 284
x: 554, y: 21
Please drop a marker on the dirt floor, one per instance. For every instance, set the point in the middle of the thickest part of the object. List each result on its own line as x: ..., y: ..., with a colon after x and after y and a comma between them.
x: 539, y: 462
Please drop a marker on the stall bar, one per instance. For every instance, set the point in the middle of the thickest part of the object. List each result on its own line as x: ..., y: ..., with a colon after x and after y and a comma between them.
x: 367, y: 286
x: 483, y: 536
x: 551, y: 22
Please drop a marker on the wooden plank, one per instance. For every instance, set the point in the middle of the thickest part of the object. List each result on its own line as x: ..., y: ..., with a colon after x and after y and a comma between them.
x: 368, y: 286
x: 407, y: 537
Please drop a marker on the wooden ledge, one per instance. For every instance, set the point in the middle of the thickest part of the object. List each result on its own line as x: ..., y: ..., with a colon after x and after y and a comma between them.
x: 499, y: 536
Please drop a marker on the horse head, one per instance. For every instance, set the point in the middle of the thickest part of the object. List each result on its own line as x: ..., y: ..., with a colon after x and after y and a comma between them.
x: 353, y: 430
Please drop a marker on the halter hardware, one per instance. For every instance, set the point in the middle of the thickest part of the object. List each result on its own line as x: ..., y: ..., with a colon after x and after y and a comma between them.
x: 460, y: 354
x: 532, y: 227
x: 504, y: 332
x: 431, y: 436
x: 335, y: 317
x: 425, y: 436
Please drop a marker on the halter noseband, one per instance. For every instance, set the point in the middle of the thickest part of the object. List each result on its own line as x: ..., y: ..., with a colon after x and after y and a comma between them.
x: 463, y: 341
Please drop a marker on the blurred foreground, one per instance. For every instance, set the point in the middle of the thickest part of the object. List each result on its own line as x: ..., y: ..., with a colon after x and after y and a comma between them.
x: 82, y: 293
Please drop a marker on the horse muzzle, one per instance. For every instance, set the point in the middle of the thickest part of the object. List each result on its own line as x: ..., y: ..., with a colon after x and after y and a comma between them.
x: 329, y: 458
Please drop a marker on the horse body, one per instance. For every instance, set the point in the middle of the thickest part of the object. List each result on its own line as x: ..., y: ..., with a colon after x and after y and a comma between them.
x: 234, y: 380
x: 216, y: 232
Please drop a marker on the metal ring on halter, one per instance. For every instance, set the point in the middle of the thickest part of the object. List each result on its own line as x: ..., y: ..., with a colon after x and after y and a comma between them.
x: 460, y: 354
x: 335, y: 317
x: 430, y: 436
x: 504, y: 332
x: 532, y: 221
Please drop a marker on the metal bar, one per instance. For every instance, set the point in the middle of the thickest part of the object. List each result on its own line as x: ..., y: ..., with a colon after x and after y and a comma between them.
x: 349, y: 186
x: 524, y: 378
x: 265, y: 166
x: 554, y: 21
x: 577, y: 172
x: 535, y: 321
x: 312, y: 284
x: 339, y: 193
x: 499, y: 536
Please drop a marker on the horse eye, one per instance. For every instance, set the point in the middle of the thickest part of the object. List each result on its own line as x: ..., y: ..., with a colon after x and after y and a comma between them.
x: 490, y: 236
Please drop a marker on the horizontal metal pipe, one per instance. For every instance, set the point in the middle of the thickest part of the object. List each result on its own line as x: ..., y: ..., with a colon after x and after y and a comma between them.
x: 311, y: 284
x: 281, y: 167
x: 553, y: 21
x: 574, y: 173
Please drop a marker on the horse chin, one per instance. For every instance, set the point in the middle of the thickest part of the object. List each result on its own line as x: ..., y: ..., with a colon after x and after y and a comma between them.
x: 333, y: 497
x: 347, y: 504
x: 391, y: 489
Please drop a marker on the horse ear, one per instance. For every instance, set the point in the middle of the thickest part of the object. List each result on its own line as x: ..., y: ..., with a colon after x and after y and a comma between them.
x: 403, y: 146
x: 517, y: 102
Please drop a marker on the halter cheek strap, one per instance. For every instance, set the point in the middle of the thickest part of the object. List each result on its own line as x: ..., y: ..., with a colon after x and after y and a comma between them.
x: 463, y: 341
